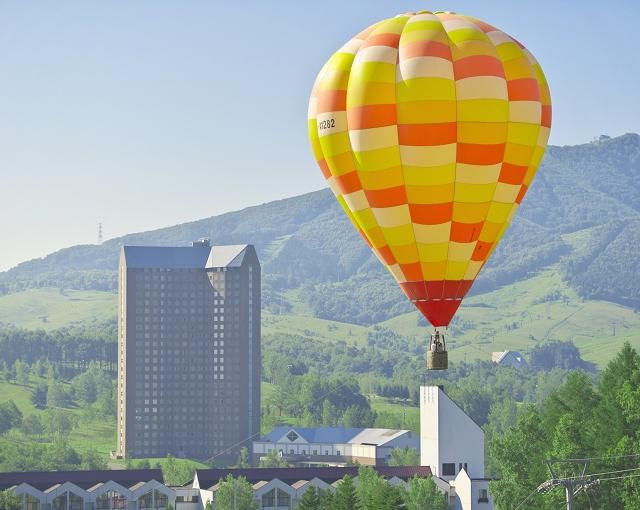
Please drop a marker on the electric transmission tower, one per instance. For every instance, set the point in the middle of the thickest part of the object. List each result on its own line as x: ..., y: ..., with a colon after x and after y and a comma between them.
x: 572, y: 485
x: 100, y: 233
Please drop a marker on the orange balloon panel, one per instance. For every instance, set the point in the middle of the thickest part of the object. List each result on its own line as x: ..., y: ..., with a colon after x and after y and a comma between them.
x: 429, y: 128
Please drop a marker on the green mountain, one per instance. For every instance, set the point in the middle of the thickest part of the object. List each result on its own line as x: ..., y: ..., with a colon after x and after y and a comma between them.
x: 581, y: 217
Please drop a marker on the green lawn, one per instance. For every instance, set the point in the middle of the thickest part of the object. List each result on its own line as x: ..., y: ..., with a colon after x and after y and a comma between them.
x: 53, y: 308
x: 91, y: 433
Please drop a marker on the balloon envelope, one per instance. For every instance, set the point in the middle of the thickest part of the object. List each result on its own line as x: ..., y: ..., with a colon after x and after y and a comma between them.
x: 429, y: 128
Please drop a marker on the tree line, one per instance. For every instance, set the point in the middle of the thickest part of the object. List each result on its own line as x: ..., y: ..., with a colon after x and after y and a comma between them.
x: 71, y: 348
x: 597, y: 420
x: 372, y: 492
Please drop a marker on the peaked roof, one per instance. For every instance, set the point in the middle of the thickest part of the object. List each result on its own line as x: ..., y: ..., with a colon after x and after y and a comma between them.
x: 227, y: 256
x: 209, y: 477
x: 504, y: 354
x: 43, y: 480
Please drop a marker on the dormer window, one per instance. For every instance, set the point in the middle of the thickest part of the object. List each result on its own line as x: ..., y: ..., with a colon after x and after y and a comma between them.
x: 292, y: 436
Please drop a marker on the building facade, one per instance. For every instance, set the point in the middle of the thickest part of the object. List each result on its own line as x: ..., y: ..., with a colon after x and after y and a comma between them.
x: 334, y: 446
x: 91, y: 490
x: 273, y: 488
x: 188, y: 350
x: 452, y: 446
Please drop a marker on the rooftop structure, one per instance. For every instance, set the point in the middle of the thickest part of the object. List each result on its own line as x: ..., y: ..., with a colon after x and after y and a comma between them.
x: 509, y: 358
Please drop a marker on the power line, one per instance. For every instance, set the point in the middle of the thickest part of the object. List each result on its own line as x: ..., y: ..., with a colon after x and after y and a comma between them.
x: 618, y: 477
x: 606, y: 473
x: 535, y: 491
x: 605, y: 458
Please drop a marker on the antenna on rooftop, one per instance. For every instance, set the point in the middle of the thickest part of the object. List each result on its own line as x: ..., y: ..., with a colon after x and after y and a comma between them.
x: 100, y: 233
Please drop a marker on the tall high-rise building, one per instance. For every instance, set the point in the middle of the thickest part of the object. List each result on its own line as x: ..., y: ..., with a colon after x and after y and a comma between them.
x: 189, y: 350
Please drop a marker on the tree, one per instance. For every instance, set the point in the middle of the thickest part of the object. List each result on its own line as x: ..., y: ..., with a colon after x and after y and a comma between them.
x: 85, y: 388
x: 22, y: 372
x: 9, y: 500
x: 404, y: 457
x: 208, y: 505
x: 243, y: 458
x: 345, y: 497
x: 520, y: 453
x: 273, y: 459
x: 59, y: 423
x: 325, y: 499
x: 374, y: 492
x: 423, y: 494
x: 309, y: 500
x: 175, y: 473
x: 32, y: 425
x: 39, y: 396
x: 92, y: 460
x: 56, y: 396
x: 10, y: 416
x: 235, y: 494
x: 329, y: 414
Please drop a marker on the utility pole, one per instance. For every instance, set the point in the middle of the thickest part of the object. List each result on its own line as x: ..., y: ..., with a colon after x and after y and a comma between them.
x: 572, y: 485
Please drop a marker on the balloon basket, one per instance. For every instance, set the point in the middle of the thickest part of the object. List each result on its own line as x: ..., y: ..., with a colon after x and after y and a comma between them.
x: 437, y: 360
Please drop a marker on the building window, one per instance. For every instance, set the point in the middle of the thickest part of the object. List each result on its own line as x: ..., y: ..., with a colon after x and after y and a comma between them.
x: 483, y: 497
x: 269, y: 499
x: 283, y: 499
x: 448, y: 469
x: 292, y: 436
x: 31, y: 502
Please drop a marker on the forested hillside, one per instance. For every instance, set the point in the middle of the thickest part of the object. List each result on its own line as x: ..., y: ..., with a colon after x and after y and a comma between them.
x: 584, y: 203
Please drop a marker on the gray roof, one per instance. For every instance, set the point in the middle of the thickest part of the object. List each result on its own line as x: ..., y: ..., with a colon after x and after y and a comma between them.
x: 337, y: 435
x: 165, y: 257
x: 227, y: 256
x: 183, y: 257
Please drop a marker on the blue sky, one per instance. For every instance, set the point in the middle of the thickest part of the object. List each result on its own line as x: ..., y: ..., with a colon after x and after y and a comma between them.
x: 149, y: 113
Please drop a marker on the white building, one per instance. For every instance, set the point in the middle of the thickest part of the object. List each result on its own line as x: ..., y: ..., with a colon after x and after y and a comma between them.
x: 509, y: 359
x: 452, y: 446
x: 334, y: 446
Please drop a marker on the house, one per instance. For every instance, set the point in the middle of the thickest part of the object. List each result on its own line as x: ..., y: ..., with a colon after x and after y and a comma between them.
x: 334, y: 446
x: 509, y: 359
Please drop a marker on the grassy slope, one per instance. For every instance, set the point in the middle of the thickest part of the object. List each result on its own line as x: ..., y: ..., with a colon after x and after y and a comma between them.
x: 51, y: 308
x: 516, y: 316
x: 91, y: 434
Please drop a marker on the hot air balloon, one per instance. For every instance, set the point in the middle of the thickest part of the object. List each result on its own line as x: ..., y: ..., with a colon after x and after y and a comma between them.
x: 429, y: 128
